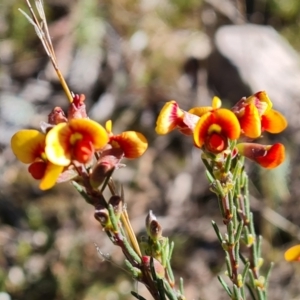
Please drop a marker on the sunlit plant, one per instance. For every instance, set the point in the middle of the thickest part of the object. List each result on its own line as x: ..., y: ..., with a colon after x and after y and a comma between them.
x: 70, y: 147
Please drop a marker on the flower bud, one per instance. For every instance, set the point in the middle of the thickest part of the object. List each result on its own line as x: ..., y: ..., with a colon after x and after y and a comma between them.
x: 57, y: 116
x: 154, y: 229
x: 108, y: 161
x: 260, y: 282
x: 159, y: 269
x: 102, y: 216
x: 77, y: 109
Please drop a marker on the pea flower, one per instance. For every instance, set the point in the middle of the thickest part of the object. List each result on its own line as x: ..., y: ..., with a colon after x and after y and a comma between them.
x: 215, y: 126
x: 172, y: 117
x: 268, y: 156
x: 76, y: 140
x: 256, y: 115
x: 293, y: 253
x: 129, y: 144
x: 29, y: 147
x: 132, y: 143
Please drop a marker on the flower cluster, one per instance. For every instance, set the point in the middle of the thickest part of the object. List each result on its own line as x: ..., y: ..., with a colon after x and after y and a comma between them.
x: 214, y: 128
x: 69, y: 144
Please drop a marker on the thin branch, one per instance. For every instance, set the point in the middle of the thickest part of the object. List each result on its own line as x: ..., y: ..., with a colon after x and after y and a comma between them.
x: 42, y: 31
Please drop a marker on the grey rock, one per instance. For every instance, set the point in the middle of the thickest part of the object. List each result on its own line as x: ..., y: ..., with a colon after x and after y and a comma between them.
x: 264, y: 61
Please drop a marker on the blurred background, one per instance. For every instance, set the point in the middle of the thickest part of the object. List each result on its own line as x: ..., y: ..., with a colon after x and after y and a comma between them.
x: 129, y: 57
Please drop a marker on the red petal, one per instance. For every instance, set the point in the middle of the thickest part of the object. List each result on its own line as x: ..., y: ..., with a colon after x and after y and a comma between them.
x: 216, y: 143
x: 83, y: 151
x: 37, y: 169
x: 267, y: 156
x: 274, y: 157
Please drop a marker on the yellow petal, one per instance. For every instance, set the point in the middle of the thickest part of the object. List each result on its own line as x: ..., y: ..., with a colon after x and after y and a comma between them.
x: 58, y: 148
x: 216, y: 102
x: 108, y: 126
x: 200, y: 111
x: 51, y: 174
x: 27, y: 145
x: 169, y: 117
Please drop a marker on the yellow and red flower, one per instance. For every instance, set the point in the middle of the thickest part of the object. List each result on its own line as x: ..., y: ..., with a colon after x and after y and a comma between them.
x: 132, y: 143
x: 268, y: 156
x: 293, y: 253
x: 215, y: 126
x: 256, y: 115
x: 172, y: 117
x: 76, y: 140
x: 29, y: 148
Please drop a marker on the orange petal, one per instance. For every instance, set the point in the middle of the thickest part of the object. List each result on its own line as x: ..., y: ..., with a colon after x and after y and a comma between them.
x: 168, y: 118
x: 273, y: 121
x: 90, y: 130
x: 52, y: 173
x: 268, y: 157
x: 228, y: 122
x: 58, y: 147
x: 27, y: 145
x: 133, y: 144
x: 250, y: 122
x: 293, y: 253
